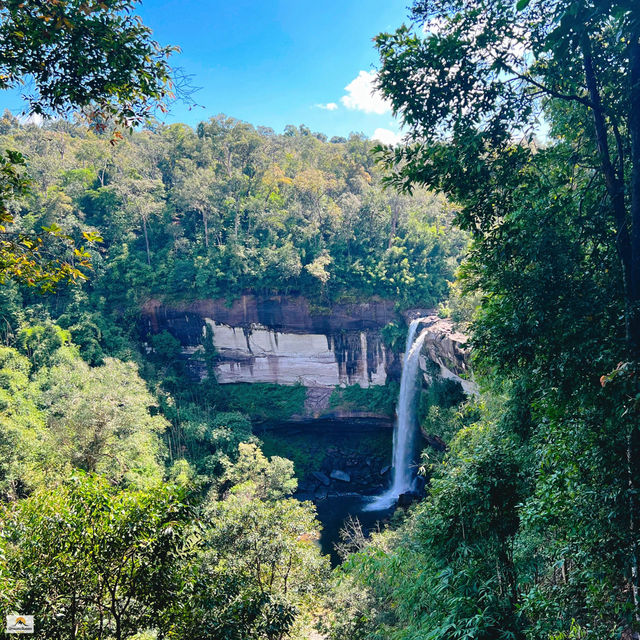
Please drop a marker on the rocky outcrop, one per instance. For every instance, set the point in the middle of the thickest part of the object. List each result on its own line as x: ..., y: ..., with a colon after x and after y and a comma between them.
x: 287, y: 340
x: 448, y: 350
x: 338, y: 474
x: 281, y: 339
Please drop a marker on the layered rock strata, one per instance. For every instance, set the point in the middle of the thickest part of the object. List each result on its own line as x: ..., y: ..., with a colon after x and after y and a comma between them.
x: 280, y: 339
x: 287, y: 340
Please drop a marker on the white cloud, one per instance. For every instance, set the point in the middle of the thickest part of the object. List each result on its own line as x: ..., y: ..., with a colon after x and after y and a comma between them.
x: 330, y: 106
x: 387, y: 136
x: 363, y: 96
x: 34, y: 118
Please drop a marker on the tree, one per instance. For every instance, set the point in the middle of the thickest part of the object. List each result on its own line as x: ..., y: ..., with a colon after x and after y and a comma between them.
x: 22, y: 426
x: 142, y: 198
x: 97, y: 57
x: 480, y: 75
x: 260, y: 568
x: 99, y: 421
x: 84, y: 55
x: 194, y: 190
x: 556, y: 253
x: 265, y: 479
x: 35, y: 259
x: 94, y: 561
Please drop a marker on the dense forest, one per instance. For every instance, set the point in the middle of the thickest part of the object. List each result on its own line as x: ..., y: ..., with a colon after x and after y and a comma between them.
x: 119, y: 425
x: 228, y: 207
x: 135, y: 501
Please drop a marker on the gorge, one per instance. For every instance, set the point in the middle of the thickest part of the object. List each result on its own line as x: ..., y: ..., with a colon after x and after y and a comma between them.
x: 219, y: 341
x: 342, y: 448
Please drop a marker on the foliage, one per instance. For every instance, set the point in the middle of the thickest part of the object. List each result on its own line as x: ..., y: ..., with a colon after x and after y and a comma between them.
x: 57, y: 414
x: 462, y: 303
x: 95, y: 561
x: 229, y: 208
x: 98, y: 420
x: 394, y: 336
x: 211, y: 441
x: 41, y: 342
x: 262, y: 478
x: 529, y: 529
x: 118, y: 550
x: 259, y: 553
x: 21, y: 424
x: 457, y: 546
x: 379, y: 399
x: 39, y: 260
x: 100, y: 58
x: 264, y: 401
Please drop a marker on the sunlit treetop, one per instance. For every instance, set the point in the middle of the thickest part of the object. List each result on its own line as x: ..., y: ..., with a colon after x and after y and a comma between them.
x: 489, y: 64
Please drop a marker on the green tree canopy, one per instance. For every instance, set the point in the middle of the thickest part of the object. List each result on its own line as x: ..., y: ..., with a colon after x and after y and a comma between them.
x: 94, y: 561
x: 97, y: 57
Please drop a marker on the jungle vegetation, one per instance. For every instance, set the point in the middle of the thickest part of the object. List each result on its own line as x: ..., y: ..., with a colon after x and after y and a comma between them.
x: 526, y: 115
x: 137, y: 504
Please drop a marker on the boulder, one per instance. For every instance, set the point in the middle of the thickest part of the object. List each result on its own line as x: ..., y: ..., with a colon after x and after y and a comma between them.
x: 336, y: 474
x: 407, y: 499
x: 321, y: 493
x: 321, y: 477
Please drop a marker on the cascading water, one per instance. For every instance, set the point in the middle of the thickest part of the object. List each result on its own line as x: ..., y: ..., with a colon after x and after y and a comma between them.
x: 404, y: 435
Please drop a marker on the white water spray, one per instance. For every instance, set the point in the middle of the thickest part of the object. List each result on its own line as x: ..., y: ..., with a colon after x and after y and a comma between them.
x: 404, y: 434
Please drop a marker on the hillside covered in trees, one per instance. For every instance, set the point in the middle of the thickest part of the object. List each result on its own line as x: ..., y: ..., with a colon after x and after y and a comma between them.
x: 229, y: 208
x: 91, y: 415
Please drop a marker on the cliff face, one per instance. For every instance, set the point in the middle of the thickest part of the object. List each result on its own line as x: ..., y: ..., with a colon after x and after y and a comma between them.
x: 286, y: 340
x: 281, y: 339
x: 448, y: 349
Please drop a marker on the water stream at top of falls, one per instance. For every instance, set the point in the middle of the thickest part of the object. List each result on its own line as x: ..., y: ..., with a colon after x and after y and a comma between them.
x: 405, y: 430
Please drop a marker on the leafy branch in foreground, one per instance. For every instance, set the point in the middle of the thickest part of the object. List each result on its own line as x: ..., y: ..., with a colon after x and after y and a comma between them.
x: 43, y: 259
x: 78, y: 54
x: 97, y: 56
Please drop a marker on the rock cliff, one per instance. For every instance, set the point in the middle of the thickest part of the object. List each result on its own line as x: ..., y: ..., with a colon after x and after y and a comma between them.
x: 281, y: 339
x: 448, y: 349
x: 287, y: 340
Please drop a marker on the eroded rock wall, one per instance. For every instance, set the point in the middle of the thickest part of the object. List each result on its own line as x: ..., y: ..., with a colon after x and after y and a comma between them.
x: 262, y: 354
x: 449, y: 350
x: 287, y: 340
x: 280, y: 339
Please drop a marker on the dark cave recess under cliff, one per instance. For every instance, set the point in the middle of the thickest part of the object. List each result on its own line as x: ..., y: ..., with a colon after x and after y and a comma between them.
x: 332, y: 456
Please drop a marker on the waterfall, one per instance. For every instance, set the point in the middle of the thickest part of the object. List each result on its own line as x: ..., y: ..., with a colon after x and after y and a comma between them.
x: 404, y: 434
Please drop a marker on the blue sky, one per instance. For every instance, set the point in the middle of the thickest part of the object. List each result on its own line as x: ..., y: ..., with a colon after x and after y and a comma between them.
x: 275, y: 62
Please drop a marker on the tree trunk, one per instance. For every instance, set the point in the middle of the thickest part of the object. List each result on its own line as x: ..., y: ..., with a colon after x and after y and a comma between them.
x: 628, y: 246
x: 634, y: 302
x: 614, y: 184
x: 205, y: 221
x: 634, y: 130
x: 146, y: 239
